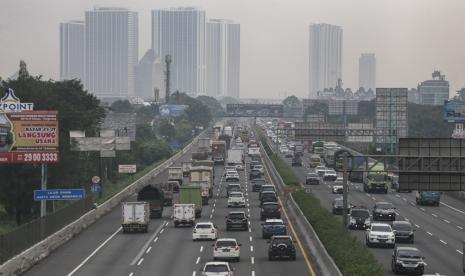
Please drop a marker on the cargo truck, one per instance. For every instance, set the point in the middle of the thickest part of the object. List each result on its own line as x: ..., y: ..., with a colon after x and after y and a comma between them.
x: 376, y: 179
x: 235, y: 157
x: 154, y: 196
x: 186, y: 168
x: 191, y: 195
x: 317, y: 147
x: 175, y: 174
x: 228, y: 130
x: 219, y: 152
x: 135, y: 216
x: 184, y: 214
x: 226, y: 139
x: 299, y: 149
x: 168, y: 190
x: 328, y: 155
x: 200, y: 155
x: 202, y: 176
x: 315, y: 160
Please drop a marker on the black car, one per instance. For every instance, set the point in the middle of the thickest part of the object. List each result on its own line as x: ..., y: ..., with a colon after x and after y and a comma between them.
x: 268, y: 196
x: 296, y: 161
x: 384, y: 211
x: 338, y: 206
x: 359, y: 218
x: 270, y: 210
x: 407, y: 259
x: 257, y: 184
x: 403, y: 231
x: 233, y: 187
x: 237, y: 220
x: 253, y: 163
x: 266, y: 188
x: 312, y: 179
x: 281, y: 247
x: 254, y: 174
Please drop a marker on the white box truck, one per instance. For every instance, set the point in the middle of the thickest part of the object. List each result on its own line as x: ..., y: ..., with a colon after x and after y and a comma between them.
x: 235, y: 157
x: 175, y: 174
x: 184, y: 214
x: 136, y: 216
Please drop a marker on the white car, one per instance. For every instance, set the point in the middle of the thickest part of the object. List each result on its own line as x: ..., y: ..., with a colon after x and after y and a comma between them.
x: 232, y: 176
x: 217, y: 269
x: 337, y: 188
x: 236, y: 199
x: 381, y: 234
x: 259, y: 168
x: 239, y: 167
x: 204, y: 230
x: 283, y: 149
x: 227, y: 249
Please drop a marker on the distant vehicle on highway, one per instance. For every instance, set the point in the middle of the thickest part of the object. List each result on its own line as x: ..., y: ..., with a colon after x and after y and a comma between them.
x: 227, y: 249
x: 237, y: 220
x: 236, y: 199
x: 136, y: 216
x: 407, y: 260
x: 204, y: 231
x: 270, y: 210
x: 184, y: 214
x: 359, y: 218
x: 384, y: 211
x: 273, y: 227
x: 312, y: 179
x: 296, y: 161
x: 281, y: 247
x: 217, y: 269
x: 404, y: 231
x: 264, y: 188
x: 233, y: 187
x: 428, y: 198
x: 380, y: 234
x: 338, y: 206
x: 257, y: 184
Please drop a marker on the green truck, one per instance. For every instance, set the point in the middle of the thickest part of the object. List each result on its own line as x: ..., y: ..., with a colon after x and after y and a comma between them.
x: 376, y: 179
x: 428, y: 198
x: 191, y: 195
x: 317, y: 147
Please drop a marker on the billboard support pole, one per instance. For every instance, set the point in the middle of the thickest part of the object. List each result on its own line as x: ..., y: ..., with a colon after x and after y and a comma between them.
x: 43, y: 186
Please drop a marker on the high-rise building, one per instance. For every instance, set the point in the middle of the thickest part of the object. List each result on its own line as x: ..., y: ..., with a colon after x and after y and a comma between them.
x: 435, y: 91
x: 325, y: 57
x: 111, y: 52
x: 222, y: 58
x: 72, y: 43
x: 180, y: 32
x: 367, y: 71
x: 149, y: 75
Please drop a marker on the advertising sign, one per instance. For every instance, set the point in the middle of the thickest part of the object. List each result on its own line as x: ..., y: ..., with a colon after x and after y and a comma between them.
x: 454, y: 111
x: 172, y: 110
x: 11, y: 103
x: 29, y: 137
x: 127, y: 168
x: 254, y: 110
x: 59, y: 194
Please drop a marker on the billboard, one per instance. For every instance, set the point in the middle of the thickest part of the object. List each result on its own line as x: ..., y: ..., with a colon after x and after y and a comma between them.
x: 172, y: 110
x: 29, y: 137
x: 454, y: 111
x: 254, y: 110
x: 312, y: 131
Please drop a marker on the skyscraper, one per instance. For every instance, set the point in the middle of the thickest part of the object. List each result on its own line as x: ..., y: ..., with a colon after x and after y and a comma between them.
x: 180, y: 32
x: 325, y: 57
x: 149, y: 75
x: 435, y: 91
x: 367, y: 71
x: 72, y: 42
x: 222, y: 58
x: 111, y: 52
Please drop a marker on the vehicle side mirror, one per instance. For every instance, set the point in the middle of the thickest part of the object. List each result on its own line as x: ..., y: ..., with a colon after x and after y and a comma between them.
x: 423, y: 258
x: 240, y: 244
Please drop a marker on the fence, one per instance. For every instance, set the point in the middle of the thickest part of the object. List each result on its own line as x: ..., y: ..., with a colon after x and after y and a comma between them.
x: 28, y: 234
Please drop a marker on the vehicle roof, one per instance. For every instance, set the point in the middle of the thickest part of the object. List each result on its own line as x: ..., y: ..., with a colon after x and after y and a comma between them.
x: 408, y: 248
x: 382, y: 202
x: 380, y: 224
x: 237, y: 212
x: 226, y: 239
x: 270, y: 203
x: 217, y: 263
x: 401, y: 222
x: 231, y: 193
x: 234, y: 184
x: 274, y: 220
x: 204, y: 222
x: 268, y: 192
x: 267, y: 185
x: 281, y: 237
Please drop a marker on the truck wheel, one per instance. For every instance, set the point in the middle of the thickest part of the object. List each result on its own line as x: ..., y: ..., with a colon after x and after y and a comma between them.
x: 175, y: 224
x: 146, y: 229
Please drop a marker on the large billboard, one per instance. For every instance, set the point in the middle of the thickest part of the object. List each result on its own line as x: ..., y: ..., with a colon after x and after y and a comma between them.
x: 29, y: 137
x: 454, y: 111
x: 310, y: 131
x: 254, y: 110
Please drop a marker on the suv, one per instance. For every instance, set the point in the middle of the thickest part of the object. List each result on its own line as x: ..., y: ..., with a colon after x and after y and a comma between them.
x: 254, y: 174
x: 312, y: 179
x: 407, y: 259
x: 236, y: 199
x: 403, y: 231
x: 217, y: 269
x: 359, y: 218
x: 232, y: 176
x: 227, y: 249
x: 270, y: 210
x: 381, y: 234
x: 233, y: 187
x: 268, y: 196
x: 281, y: 247
x: 237, y: 220
x: 266, y: 188
x: 257, y: 184
x: 384, y: 210
x: 273, y: 227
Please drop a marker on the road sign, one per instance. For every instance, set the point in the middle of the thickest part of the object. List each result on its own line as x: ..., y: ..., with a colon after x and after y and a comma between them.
x: 95, y: 188
x: 127, y: 168
x: 59, y: 194
x: 95, y: 179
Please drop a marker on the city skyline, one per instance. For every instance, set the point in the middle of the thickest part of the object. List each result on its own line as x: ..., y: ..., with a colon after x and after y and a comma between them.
x: 367, y: 71
x: 72, y: 54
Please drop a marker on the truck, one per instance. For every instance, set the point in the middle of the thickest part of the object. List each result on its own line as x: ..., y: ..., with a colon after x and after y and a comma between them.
x: 317, y: 147
x: 253, y: 151
x: 153, y: 194
x: 226, y: 139
x: 191, y: 195
x: 428, y: 198
x: 375, y: 179
x: 184, y: 214
x: 298, y: 149
x: 175, y: 174
x: 228, y: 130
x: 219, y: 152
x: 200, y: 155
x: 235, y: 157
x: 168, y: 190
x: 186, y: 168
x: 315, y: 160
x: 202, y: 176
x: 328, y: 155
x: 357, y: 166
x: 204, y: 144
x: 135, y: 216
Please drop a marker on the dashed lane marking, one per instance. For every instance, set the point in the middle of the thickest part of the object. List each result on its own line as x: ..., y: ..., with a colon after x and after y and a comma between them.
x: 443, y: 242
x: 250, y: 238
x: 417, y: 226
x: 251, y: 248
x: 201, y: 248
x: 162, y: 230
x: 148, y: 250
x: 140, y: 261
x: 193, y: 273
x: 460, y: 227
x: 156, y: 239
x: 453, y: 208
x: 252, y: 260
x: 458, y: 251
x: 198, y: 260
x: 434, y: 215
x: 429, y: 233
x: 446, y: 221
x: 132, y: 273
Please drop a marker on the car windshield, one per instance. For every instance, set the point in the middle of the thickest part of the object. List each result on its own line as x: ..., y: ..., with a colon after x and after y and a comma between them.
x: 267, y: 188
x: 259, y: 181
x: 216, y: 268
x: 381, y: 228
x: 377, y: 177
x: 226, y: 243
x: 312, y: 175
x: 360, y: 213
x: 234, y: 186
x: 236, y: 195
x: 203, y: 225
x: 282, y: 240
x: 384, y: 206
x: 236, y: 216
x: 413, y: 254
x: 274, y: 223
x: 402, y: 226
x: 270, y: 206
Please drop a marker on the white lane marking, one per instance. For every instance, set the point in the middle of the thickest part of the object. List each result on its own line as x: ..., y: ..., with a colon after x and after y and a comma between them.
x: 198, y: 260
x: 460, y: 252
x: 398, y: 195
x: 250, y: 238
x: 166, y: 224
x: 161, y: 232
x: 397, y: 214
x: 429, y: 233
x: 416, y: 225
x: 443, y: 241
x: 213, y: 210
x: 156, y: 239
x: 411, y: 203
x: 132, y: 273
x: 193, y: 273
x: 446, y: 221
x: 252, y: 260
x: 214, y: 205
x: 453, y: 208
x: 201, y: 248
x: 248, y: 210
x: 140, y: 261
x: 407, y: 219
x: 249, y: 222
x: 251, y: 248
x: 423, y: 209
x: 250, y: 230
x: 94, y: 252
x: 148, y: 250
x: 404, y: 199
x: 211, y: 216
x: 434, y: 215
x: 460, y: 227
x: 253, y: 273
x: 374, y: 198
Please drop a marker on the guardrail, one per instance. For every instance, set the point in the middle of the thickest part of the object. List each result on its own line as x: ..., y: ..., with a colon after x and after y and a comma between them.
x: 26, y: 259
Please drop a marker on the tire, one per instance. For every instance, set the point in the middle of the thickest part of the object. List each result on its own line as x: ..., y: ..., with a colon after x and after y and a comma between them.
x: 176, y: 224
x: 270, y: 258
x: 367, y: 243
x: 293, y: 257
x: 238, y: 259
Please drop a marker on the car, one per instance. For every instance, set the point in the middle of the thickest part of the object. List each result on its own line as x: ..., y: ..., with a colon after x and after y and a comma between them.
x: 337, y: 188
x: 359, y: 218
x: 229, y: 169
x: 227, y: 248
x: 254, y: 174
x: 283, y: 149
x: 407, y: 259
x: 257, y: 184
x: 329, y: 176
x: 233, y: 187
x: 265, y: 188
x: 217, y: 269
x: 320, y: 170
x: 273, y: 227
x: 268, y: 196
x: 381, y: 234
x: 404, y: 231
x: 296, y: 161
x: 253, y: 163
x: 384, y: 210
x: 239, y: 167
x: 338, y: 206
x: 289, y: 154
x: 259, y: 168
x: 232, y: 177
x: 204, y: 230
x: 237, y: 220
x: 270, y: 210
x: 312, y: 179
x: 236, y: 199
x: 281, y: 247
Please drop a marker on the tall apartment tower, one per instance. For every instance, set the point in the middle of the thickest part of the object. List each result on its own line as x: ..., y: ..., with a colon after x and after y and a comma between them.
x: 72, y: 43
x: 222, y: 58
x: 111, y: 52
x: 367, y: 71
x: 325, y: 57
x: 180, y: 32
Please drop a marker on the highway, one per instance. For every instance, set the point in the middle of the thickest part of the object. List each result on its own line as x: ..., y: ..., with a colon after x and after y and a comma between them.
x: 103, y: 249
x: 439, y: 230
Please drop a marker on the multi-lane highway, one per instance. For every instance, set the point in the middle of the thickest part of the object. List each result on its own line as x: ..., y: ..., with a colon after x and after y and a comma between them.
x: 103, y: 249
x: 439, y: 230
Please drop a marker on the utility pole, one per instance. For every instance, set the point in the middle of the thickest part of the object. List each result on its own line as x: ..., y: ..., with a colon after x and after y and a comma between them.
x: 167, y: 80
x: 43, y: 184
x: 345, y: 194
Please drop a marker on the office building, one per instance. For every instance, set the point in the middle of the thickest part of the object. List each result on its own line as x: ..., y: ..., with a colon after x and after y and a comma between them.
x: 435, y: 91
x: 111, y: 52
x: 367, y: 72
x: 325, y: 57
x: 72, y: 43
x: 149, y: 75
x: 222, y: 58
x: 180, y: 32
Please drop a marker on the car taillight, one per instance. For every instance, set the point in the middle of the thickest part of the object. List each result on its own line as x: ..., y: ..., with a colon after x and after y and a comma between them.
x: 204, y: 274
x: 230, y: 274
x: 213, y: 230
x: 215, y: 248
x: 237, y: 247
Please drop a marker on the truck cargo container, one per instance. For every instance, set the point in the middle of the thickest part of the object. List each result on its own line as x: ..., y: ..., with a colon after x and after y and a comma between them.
x: 135, y: 216
x: 154, y: 196
x: 175, y: 174
x: 219, y: 152
x: 202, y: 176
x: 235, y: 157
x: 191, y: 195
x: 184, y: 214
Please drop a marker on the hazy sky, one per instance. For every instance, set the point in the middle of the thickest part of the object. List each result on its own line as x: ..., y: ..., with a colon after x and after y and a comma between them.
x: 410, y: 38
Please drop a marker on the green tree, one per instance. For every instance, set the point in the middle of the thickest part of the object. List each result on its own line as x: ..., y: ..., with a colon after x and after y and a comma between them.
x: 214, y: 106
x: 166, y: 129
x: 122, y: 107
x: 183, y: 130
x: 291, y: 101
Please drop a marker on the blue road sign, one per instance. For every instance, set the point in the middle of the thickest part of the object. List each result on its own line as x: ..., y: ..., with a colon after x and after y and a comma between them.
x: 59, y: 194
x: 96, y: 188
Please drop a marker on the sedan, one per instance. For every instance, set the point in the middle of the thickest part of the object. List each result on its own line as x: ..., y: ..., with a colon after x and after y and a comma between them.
x: 227, y: 249
x: 217, y: 269
x: 204, y: 230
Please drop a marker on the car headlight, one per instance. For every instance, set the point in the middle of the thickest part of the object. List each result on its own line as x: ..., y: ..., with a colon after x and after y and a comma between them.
x: 352, y: 221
